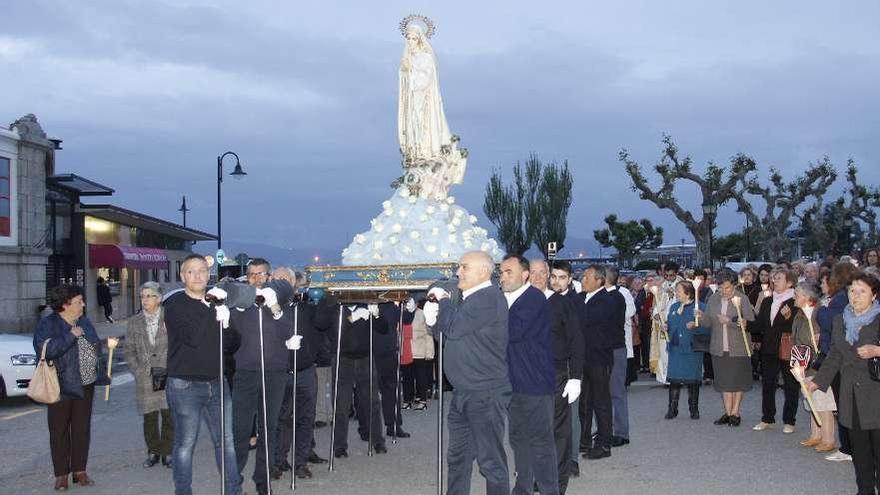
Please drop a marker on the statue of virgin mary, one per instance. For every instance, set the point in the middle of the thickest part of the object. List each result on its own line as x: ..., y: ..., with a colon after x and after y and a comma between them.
x: 432, y: 160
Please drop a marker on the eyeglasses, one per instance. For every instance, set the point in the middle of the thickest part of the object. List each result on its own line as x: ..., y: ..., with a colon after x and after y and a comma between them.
x: 257, y: 274
x: 149, y: 296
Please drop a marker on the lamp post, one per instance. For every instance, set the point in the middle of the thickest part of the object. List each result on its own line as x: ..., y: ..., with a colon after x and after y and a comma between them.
x: 709, y: 211
x: 183, y: 209
x: 847, y: 229
x: 237, y: 173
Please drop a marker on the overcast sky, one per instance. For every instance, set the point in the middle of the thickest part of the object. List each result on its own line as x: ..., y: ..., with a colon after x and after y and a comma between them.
x: 146, y: 94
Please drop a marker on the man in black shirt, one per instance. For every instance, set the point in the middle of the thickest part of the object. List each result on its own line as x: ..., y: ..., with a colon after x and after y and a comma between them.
x: 193, y: 368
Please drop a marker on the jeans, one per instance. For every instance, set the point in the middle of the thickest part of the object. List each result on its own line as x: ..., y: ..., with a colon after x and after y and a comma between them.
x: 476, y: 431
x: 619, y: 394
x: 189, y: 402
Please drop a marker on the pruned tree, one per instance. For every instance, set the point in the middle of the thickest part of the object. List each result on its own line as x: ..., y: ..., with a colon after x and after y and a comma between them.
x: 629, y: 238
x: 532, y: 209
x: 824, y: 223
x: 717, y: 186
x: 550, y: 222
x: 781, y: 201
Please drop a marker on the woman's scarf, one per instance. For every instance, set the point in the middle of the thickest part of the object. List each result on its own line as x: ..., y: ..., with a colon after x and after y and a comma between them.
x: 853, y: 322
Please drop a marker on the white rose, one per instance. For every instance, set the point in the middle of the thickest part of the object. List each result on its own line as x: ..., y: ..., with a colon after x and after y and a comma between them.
x: 473, y: 218
x: 389, y: 212
x: 459, y: 212
x: 450, y: 200
x: 453, y: 238
x: 406, y: 249
x: 444, y: 254
x: 467, y: 234
x: 357, y: 255
x: 423, y: 218
x: 444, y: 207
x: 404, y: 192
x: 397, y: 227
x: 430, y: 248
x: 393, y: 240
x: 435, y: 231
x: 485, y: 246
x: 378, y: 227
x: 402, y: 213
x: 451, y: 227
x: 377, y: 245
x: 467, y: 243
x: 377, y: 256
x: 456, y: 221
x: 360, y: 238
x: 415, y: 234
x: 429, y: 210
x: 386, y: 205
x: 412, y: 200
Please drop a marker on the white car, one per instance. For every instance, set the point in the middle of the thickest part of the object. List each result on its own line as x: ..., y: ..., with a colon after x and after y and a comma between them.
x: 17, y: 364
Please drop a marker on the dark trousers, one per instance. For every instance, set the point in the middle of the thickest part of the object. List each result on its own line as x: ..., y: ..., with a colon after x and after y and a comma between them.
x: 770, y: 372
x: 596, y: 399
x: 416, y: 379
x: 865, y: 455
x: 619, y: 395
x: 356, y: 373
x: 708, y: 370
x: 304, y: 417
x: 247, y: 403
x: 108, y: 310
x: 562, y: 431
x: 645, y: 346
x: 70, y: 424
x: 842, y: 431
x: 532, y: 443
x: 386, y: 365
x: 408, y: 381
x: 160, y: 440
x: 476, y: 431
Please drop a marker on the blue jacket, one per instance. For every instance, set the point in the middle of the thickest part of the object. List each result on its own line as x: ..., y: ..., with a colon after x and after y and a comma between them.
x: 476, y: 335
x: 64, y: 352
x: 685, y: 365
x: 530, y: 345
x: 825, y: 316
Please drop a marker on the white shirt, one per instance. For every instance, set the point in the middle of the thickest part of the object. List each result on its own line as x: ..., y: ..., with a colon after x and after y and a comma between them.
x: 627, y: 322
x: 591, y: 294
x: 513, y: 296
x: 466, y: 293
x: 548, y: 293
x: 577, y: 286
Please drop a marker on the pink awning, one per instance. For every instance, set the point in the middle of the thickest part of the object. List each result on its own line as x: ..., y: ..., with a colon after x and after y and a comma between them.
x: 113, y: 256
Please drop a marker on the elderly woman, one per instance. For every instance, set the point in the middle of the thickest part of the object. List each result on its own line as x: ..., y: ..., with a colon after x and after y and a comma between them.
x: 854, y: 342
x: 73, y: 345
x: 729, y: 345
x: 685, y: 364
x: 806, y: 332
x: 146, y: 350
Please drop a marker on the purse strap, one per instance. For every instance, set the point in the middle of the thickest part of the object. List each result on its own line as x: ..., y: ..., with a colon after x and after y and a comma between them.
x: 43, y: 352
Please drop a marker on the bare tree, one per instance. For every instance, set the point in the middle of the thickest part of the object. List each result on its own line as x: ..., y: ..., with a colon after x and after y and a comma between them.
x: 715, y: 188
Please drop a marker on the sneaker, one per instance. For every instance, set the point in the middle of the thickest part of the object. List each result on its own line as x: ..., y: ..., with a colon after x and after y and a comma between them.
x: 838, y: 456
x: 406, y: 406
x: 763, y: 426
x: 787, y: 429
x: 420, y: 406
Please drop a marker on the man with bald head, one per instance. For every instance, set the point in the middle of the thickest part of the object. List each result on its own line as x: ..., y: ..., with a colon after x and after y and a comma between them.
x: 474, y: 325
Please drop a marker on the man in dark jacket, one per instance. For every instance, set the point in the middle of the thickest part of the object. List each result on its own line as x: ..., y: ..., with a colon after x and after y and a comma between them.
x: 601, y: 323
x: 258, y: 355
x: 385, y: 346
x: 532, y: 378
x: 105, y: 299
x: 474, y: 325
x: 354, y: 371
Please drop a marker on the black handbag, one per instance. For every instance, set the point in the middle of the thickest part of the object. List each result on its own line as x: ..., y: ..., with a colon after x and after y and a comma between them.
x: 159, y: 376
x: 874, y: 369
x: 700, y: 342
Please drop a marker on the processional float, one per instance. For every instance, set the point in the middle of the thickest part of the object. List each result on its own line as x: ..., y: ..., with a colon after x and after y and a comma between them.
x: 420, y: 233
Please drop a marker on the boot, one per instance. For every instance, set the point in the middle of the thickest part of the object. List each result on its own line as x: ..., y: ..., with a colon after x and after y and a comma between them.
x: 674, y: 393
x: 694, y: 401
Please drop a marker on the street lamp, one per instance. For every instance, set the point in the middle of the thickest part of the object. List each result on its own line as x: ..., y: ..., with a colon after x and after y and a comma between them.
x: 237, y: 173
x: 709, y: 211
x: 748, y: 235
x: 847, y: 228
x: 183, y: 209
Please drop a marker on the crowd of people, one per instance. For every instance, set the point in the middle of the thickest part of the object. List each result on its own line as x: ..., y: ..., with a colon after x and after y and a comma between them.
x: 538, y: 361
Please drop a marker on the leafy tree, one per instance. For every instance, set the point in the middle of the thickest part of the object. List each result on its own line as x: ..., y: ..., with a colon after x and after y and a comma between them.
x: 629, y: 238
x: 532, y: 209
x: 714, y: 188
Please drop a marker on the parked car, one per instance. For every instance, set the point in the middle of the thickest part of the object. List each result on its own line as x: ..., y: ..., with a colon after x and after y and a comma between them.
x: 17, y: 364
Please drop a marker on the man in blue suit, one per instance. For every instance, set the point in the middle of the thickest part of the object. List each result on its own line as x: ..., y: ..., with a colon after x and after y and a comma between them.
x: 474, y: 325
x: 533, y: 378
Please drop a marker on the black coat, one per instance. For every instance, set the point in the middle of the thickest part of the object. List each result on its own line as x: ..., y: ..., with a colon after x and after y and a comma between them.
x: 771, y: 332
x: 568, y: 339
x: 602, y: 322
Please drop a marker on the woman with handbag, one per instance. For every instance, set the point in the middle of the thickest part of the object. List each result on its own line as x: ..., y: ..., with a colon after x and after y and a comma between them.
x: 73, y: 345
x: 805, y: 329
x: 853, y: 354
x: 775, y: 316
x: 146, y: 350
x: 685, y: 361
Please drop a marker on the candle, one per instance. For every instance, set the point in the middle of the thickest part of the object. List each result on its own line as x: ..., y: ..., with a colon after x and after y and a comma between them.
x: 697, y: 283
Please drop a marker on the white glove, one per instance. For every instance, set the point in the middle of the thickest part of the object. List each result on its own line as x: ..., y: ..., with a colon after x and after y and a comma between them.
x: 411, y: 305
x: 218, y: 293
x: 431, y: 311
x: 269, y: 295
x: 222, y: 315
x: 293, y: 343
x: 438, y: 293
x: 360, y: 313
x: 374, y: 310
x: 572, y: 390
